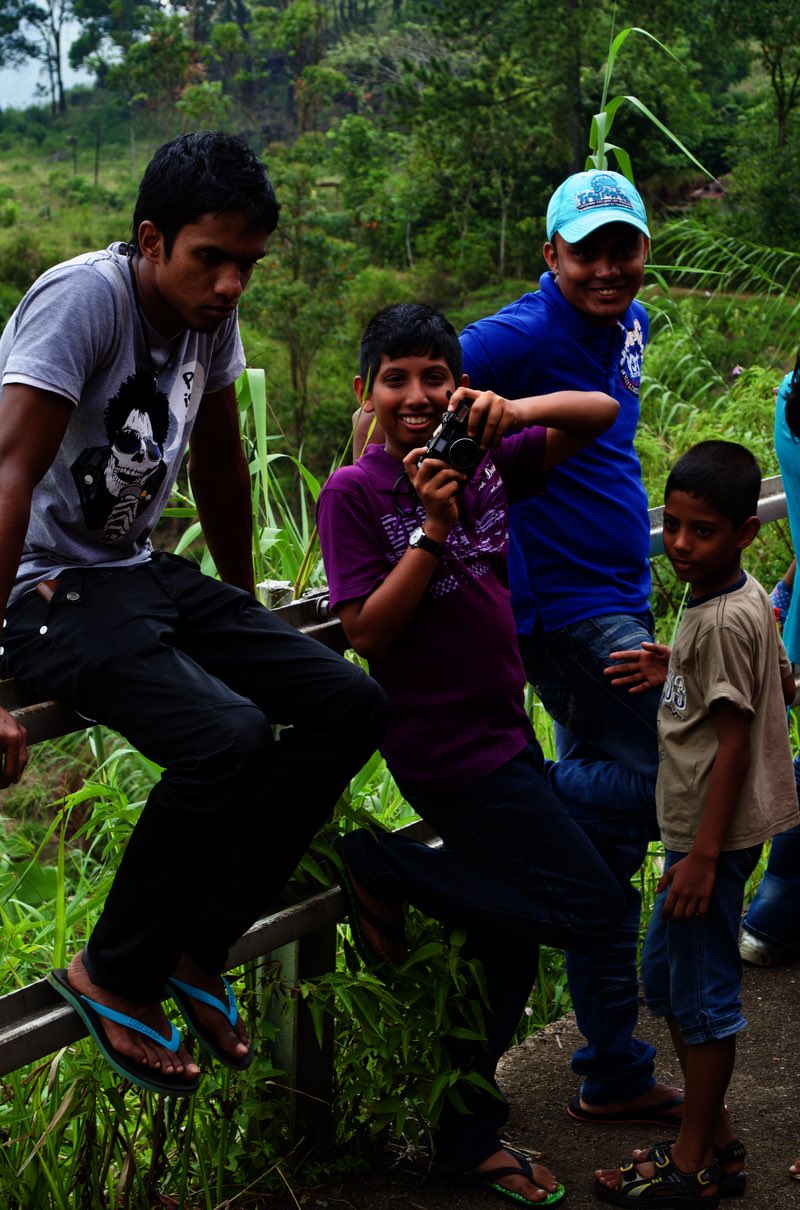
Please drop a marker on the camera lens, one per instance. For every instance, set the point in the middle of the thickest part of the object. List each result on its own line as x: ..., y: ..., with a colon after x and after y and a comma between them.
x: 464, y: 454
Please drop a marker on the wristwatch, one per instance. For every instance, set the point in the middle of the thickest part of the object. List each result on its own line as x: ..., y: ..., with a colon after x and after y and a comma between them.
x: 420, y: 540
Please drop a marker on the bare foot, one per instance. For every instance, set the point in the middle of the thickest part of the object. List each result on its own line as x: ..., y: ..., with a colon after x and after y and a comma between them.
x: 127, y: 1041
x: 794, y: 1170
x: 388, y: 945
x: 657, y: 1100
x: 233, y: 1040
x: 534, y: 1187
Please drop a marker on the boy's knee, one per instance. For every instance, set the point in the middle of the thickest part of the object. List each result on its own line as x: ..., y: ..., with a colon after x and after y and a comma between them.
x: 243, y: 741
x: 611, y: 907
x: 359, y: 707
x: 372, y: 706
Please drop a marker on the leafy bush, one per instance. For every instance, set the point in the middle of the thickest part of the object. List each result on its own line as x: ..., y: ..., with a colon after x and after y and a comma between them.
x: 9, y: 213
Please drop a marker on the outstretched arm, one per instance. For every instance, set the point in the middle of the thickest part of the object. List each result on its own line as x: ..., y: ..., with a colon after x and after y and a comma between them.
x: 572, y: 418
x: 32, y: 426
x: 640, y: 669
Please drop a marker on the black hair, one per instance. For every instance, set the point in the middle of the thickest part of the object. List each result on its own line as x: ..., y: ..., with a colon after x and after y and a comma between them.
x: 205, y: 172
x: 793, y: 402
x: 136, y: 394
x: 408, y: 330
x: 723, y: 473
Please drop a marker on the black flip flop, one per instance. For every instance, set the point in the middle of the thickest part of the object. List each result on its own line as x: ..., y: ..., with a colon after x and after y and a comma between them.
x: 647, y: 1115
x: 490, y: 1180
x: 92, y: 1014
x: 357, y: 909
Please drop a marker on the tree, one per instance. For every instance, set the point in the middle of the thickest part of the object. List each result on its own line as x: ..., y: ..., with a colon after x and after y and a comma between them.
x: 108, y: 30
x: 774, y: 26
x: 157, y: 70
x: 302, y: 297
x: 35, y: 31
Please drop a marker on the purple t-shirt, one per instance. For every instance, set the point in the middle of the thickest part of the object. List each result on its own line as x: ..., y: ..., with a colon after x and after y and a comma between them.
x: 454, y: 677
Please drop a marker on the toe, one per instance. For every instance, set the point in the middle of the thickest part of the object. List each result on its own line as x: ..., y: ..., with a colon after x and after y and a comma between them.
x: 533, y: 1190
x: 610, y: 1177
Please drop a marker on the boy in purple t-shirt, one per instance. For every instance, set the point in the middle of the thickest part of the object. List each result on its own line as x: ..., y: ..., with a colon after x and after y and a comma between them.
x: 416, y: 562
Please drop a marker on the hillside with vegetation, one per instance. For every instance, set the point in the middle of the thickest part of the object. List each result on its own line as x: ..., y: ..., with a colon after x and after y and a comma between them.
x: 414, y: 145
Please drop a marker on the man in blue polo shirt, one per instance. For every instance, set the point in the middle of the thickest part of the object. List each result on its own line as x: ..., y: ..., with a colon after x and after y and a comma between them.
x: 580, y: 582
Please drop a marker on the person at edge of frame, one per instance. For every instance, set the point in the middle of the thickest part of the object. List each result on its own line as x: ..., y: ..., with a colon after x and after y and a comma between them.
x: 725, y: 785
x: 112, y: 364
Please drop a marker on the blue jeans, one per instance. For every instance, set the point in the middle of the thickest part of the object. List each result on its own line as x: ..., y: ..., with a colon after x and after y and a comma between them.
x: 594, y: 720
x: 691, y: 969
x: 514, y: 871
x: 617, y: 731
x: 194, y: 673
x: 774, y: 914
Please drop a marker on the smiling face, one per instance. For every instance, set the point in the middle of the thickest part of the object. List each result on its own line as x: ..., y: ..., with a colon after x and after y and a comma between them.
x: 199, y: 282
x: 703, y: 545
x: 601, y: 274
x: 408, y: 396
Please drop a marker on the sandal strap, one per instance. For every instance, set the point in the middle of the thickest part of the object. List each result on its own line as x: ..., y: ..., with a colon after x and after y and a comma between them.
x: 732, y: 1153
x: 228, y: 1010
x: 521, y: 1168
x: 171, y: 1043
x: 666, y: 1177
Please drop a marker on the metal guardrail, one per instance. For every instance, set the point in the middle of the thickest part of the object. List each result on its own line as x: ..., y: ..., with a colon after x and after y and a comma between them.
x: 771, y: 507
x: 35, y: 1020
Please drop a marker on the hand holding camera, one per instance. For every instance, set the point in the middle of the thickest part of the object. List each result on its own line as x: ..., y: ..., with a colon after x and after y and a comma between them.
x: 452, y: 443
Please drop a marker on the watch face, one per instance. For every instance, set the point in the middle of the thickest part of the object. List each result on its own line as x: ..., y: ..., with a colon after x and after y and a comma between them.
x: 421, y: 540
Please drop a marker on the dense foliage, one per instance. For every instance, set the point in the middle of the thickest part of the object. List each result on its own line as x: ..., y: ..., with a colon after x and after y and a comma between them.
x: 413, y: 145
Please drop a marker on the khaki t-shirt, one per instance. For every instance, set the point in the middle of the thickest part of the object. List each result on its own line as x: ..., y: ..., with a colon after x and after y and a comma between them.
x: 727, y: 648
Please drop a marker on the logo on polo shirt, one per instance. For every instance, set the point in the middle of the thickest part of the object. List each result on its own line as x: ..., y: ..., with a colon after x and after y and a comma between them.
x: 674, y: 694
x: 630, y: 362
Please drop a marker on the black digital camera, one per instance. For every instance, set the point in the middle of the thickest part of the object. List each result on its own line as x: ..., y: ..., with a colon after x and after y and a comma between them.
x: 452, y: 443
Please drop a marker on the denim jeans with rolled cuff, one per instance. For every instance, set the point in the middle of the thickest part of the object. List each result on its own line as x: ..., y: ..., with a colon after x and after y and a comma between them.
x: 691, y: 969
x: 597, y: 722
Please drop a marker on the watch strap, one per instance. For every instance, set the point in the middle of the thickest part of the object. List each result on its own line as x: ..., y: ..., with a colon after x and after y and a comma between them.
x: 419, y: 540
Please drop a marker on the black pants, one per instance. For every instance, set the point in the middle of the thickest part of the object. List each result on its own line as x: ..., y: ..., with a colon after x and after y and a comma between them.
x: 195, y: 674
x: 514, y: 870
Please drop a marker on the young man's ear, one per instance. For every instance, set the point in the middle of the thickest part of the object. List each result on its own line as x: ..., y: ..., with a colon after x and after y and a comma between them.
x: 550, y: 254
x: 151, y: 241
x: 747, y: 531
x: 359, y: 384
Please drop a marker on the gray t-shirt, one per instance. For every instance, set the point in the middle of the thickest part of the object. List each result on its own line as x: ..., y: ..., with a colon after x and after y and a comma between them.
x: 78, y: 333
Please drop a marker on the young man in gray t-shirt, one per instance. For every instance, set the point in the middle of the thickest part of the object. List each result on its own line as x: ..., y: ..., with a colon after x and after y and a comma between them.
x: 113, y: 365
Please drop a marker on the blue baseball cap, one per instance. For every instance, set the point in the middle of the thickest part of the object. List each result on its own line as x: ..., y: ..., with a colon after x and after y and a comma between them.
x: 588, y: 200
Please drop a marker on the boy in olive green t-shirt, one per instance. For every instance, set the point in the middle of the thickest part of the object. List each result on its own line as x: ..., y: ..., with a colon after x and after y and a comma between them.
x: 725, y: 785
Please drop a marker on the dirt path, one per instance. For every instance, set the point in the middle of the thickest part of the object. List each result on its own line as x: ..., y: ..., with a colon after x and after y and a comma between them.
x: 537, y: 1079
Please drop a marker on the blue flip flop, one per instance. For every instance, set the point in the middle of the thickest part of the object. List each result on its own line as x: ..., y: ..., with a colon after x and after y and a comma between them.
x: 91, y: 1013
x: 183, y: 994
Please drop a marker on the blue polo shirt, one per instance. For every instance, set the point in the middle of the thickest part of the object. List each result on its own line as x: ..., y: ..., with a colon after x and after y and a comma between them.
x: 581, y: 549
